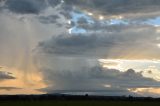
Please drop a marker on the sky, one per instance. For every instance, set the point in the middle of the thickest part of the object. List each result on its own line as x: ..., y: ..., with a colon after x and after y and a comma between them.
x: 102, y: 47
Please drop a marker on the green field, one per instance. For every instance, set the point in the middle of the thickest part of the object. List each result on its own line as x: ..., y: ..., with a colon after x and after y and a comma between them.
x: 78, y: 103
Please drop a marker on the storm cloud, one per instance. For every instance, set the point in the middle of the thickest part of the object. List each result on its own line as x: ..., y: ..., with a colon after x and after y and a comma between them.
x: 73, y: 74
x: 25, y: 6
x: 129, y: 39
x: 64, y: 40
x: 28, y: 6
x: 143, y: 9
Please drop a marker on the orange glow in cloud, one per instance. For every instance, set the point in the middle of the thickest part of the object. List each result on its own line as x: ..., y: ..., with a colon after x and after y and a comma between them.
x: 27, y: 84
x: 143, y: 91
x: 20, y: 91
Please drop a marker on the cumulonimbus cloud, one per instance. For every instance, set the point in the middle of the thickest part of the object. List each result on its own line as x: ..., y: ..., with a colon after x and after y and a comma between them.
x: 66, y: 59
x: 79, y: 75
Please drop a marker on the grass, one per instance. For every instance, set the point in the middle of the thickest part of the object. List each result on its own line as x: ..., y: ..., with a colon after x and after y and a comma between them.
x: 78, y: 103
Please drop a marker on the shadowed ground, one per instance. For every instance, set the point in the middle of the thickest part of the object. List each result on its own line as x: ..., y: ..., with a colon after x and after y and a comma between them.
x: 70, y: 100
x: 78, y: 103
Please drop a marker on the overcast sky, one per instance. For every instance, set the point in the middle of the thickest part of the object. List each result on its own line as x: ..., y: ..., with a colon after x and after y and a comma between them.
x: 69, y: 46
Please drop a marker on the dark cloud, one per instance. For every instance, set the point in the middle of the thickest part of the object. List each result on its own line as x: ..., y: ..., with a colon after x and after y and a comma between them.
x: 127, y: 40
x: 28, y: 6
x: 66, y: 74
x: 48, y: 19
x: 6, y: 75
x: 144, y: 8
x: 54, y: 3
x: 82, y: 20
x: 107, y: 92
x: 120, y: 7
x: 95, y: 79
x: 74, y: 44
x: 25, y: 6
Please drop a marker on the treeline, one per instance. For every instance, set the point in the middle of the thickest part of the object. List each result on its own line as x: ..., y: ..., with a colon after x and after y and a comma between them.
x: 73, y: 97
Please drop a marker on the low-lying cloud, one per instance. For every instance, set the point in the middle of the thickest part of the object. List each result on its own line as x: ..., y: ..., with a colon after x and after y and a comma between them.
x: 73, y: 75
x: 8, y: 88
x: 6, y: 75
